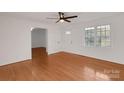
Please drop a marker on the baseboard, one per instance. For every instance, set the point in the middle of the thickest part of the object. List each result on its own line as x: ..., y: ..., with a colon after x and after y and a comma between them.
x: 51, y: 53
x: 27, y: 60
x: 91, y: 57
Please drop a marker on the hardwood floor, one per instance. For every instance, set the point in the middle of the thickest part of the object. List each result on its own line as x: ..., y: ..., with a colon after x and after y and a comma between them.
x: 61, y: 66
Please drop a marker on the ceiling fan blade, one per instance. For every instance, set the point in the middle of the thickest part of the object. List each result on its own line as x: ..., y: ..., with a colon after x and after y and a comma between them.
x: 70, y: 17
x: 67, y: 20
x: 57, y: 21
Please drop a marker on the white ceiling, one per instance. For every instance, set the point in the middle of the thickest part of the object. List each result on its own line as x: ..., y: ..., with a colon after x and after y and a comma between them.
x: 42, y: 16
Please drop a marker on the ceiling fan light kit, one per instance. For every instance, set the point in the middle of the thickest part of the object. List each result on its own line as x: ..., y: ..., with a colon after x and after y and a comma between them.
x: 62, y: 18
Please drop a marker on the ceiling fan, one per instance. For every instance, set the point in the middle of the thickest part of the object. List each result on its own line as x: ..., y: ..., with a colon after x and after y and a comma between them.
x: 62, y: 17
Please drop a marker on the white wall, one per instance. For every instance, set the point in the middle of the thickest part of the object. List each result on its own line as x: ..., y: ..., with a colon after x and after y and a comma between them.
x: 115, y: 53
x: 38, y: 36
x: 54, y: 42
x: 15, y: 39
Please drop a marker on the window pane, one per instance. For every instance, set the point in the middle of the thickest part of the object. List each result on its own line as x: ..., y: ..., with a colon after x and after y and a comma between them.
x: 108, y: 27
x: 103, y: 29
x: 103, y: 33
x: 98, y: 41
x: 107, y: 33
x: 98, y: 33
x: 103, y: 43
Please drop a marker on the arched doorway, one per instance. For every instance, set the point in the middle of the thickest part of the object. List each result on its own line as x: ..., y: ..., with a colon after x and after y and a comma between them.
x: 39, y: 42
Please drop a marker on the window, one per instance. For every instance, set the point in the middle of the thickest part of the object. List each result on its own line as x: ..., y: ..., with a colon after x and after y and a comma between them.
x: 103, y: 36
x: 89, y: 36
x: 98, y: 36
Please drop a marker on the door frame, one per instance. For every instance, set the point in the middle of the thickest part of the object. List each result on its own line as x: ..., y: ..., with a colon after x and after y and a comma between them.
x: 46, y: 38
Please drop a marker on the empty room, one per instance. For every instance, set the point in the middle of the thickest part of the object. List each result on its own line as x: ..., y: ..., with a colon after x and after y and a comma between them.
x: 61, y: 46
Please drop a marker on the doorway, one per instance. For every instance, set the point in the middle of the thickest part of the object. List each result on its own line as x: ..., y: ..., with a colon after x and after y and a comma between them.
x: 39, y: 42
